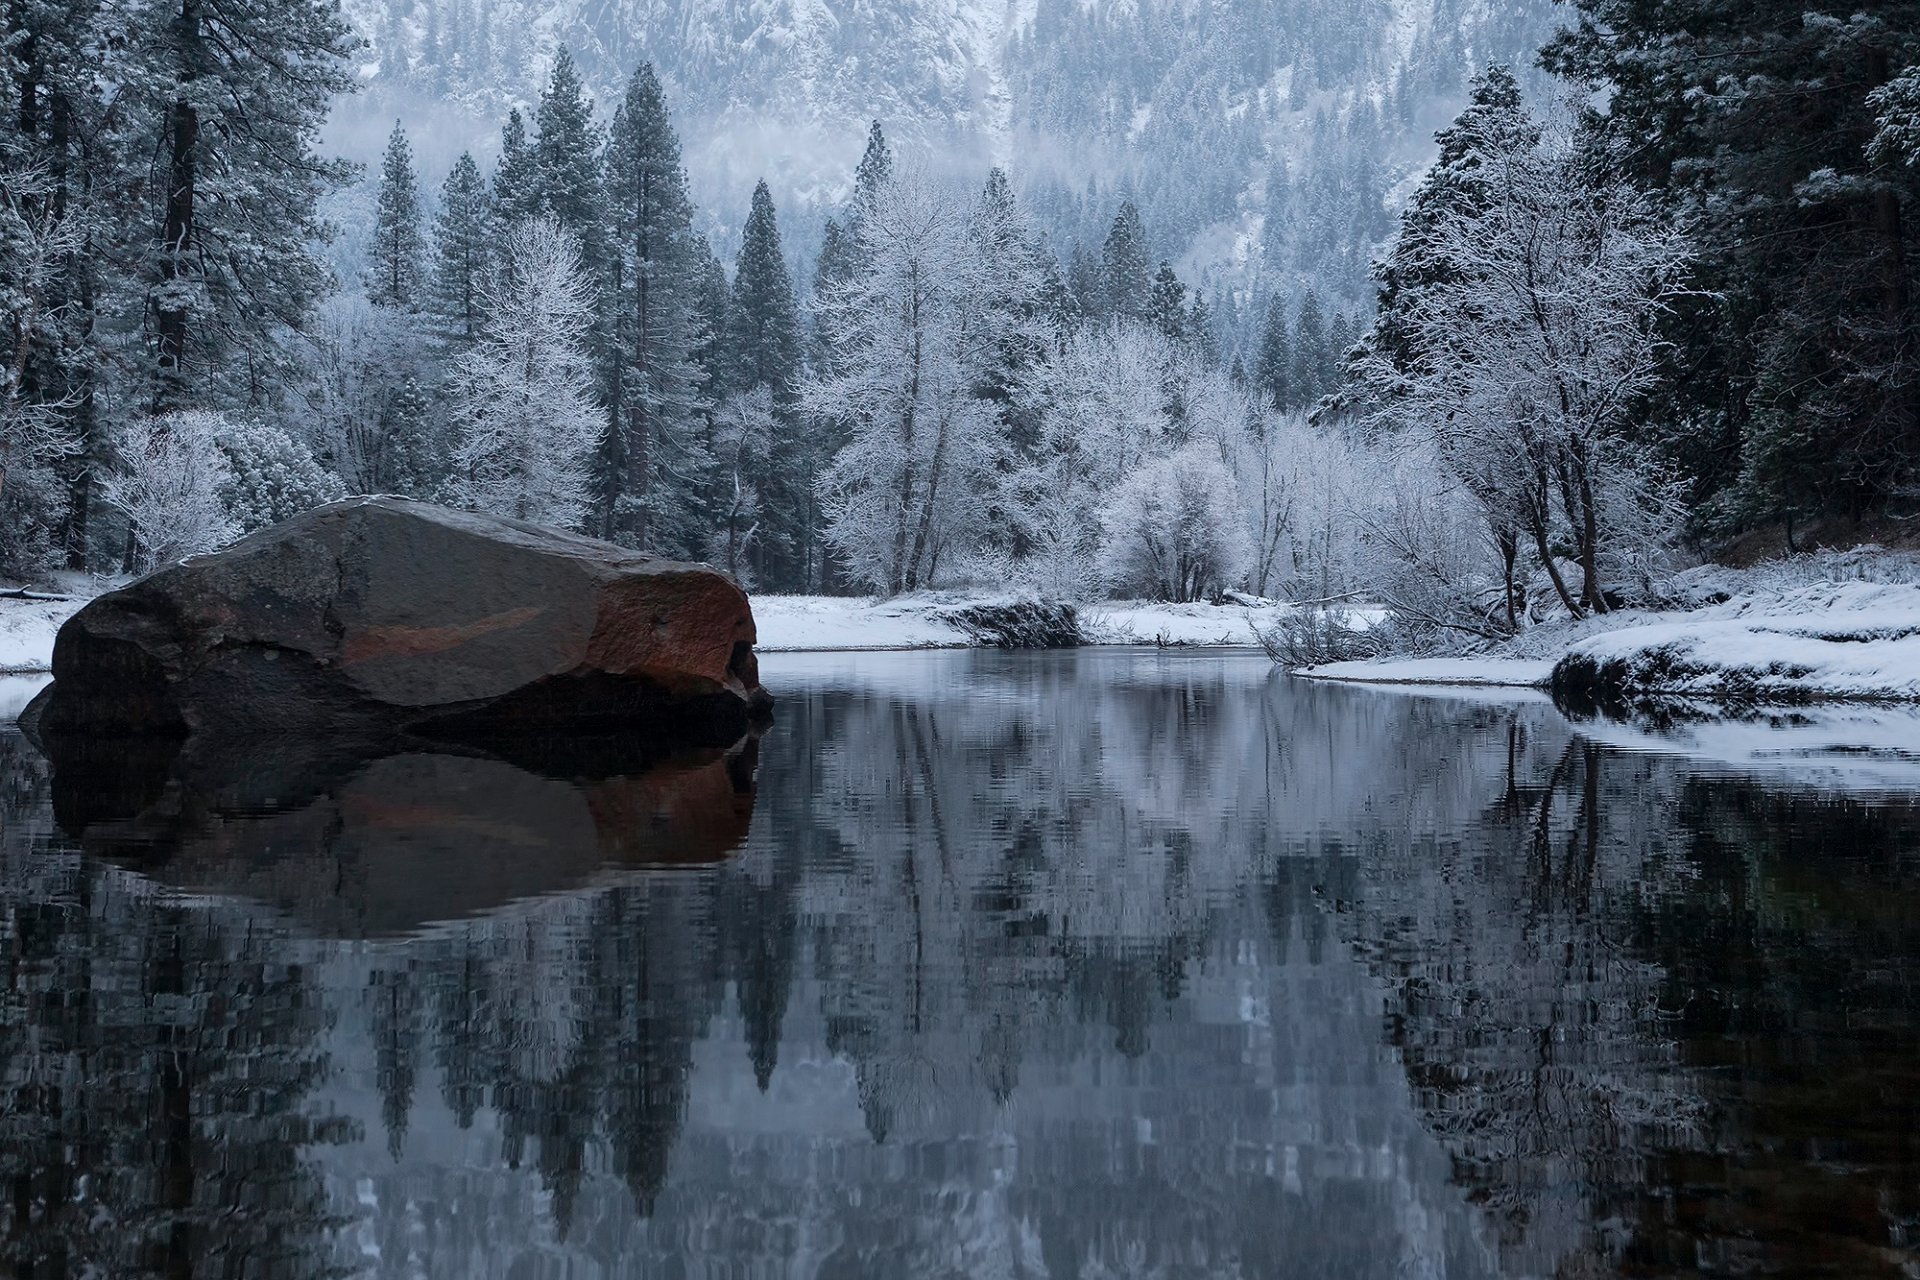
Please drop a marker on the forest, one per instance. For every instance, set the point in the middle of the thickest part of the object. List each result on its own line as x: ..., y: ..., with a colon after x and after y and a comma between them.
x: 1652, y: 295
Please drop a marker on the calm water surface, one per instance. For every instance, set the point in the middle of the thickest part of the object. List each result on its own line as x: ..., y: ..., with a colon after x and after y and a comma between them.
x: 1093, y: 964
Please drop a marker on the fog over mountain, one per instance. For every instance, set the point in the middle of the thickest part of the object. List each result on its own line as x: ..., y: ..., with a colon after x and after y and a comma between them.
x: 1267, y: 142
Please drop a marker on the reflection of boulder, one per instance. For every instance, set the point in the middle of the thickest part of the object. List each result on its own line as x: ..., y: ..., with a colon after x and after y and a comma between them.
x: 383, y: 615
x: 385, y: 844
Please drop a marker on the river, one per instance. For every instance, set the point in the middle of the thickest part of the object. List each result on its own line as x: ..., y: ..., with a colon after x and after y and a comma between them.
x: 1108, y: 963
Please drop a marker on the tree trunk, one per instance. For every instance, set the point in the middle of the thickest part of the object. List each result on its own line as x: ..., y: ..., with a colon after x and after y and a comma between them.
x: 176, y: 233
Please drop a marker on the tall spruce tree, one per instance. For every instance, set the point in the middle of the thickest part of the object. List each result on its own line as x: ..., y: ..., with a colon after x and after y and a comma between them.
x: 516, y: 187
x: 462, y: 248
x: 566, y: 157
x: 396, y: 272
x: 763, y: 350
x: 875, y: 169
x: 232, y: 95
x: 1310, y: 361
x: 1273, y: 371
x: 763, y: 337
x: 1167, y: 304
x: 60, y: 122
x: 1492, y: 122
x: 1794, y: 384
x: 652, y: 463
x: 1126, y: 278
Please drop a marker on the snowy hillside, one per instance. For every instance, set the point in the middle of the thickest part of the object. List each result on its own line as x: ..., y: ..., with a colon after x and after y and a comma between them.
x: 1264, y: 140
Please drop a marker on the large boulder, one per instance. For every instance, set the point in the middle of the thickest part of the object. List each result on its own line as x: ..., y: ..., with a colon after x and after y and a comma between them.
x: 377, y: 616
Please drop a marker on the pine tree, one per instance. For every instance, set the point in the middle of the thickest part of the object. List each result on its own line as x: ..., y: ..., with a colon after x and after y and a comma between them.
x: 396, y: 274
x: 1273, y: 373
x: 234, y: 94
x: 566, y: 155
x: 650, y: 490
x: 763, y: 338
x: 837, y: 265
x: 1167, y: 304
x: 461, y: 247
x: 1793, y: 384
x: 1310, y: 352
x: 763, y: 350
x: 516, y: 190
x: 873, y: 172
x: 1125, y: 278
x: 1493, y: 121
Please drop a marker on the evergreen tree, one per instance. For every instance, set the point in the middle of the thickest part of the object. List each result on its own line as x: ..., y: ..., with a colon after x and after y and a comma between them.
x: 763, y: 350
x: 1167, y: 304
x: 763, y: 337
x: 1126, y: 281
x: 1794, y: 384
x: 461, y: 247
x: 836, y: 267
x: 1310, y: 361
x: 516, y: 189
x: 566, y: 155
x: 874, y: 171
x: 232, y: 95
x: 652, y: 463
x: 1493, y: 121
x: 397, y: 272
x: 1273, y: 372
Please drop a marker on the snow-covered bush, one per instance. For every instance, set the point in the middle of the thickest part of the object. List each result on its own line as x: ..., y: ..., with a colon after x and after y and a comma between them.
x: 169, y: 482
x: 1174, y: 529
x: 271, y: 475
x: 743, y: 428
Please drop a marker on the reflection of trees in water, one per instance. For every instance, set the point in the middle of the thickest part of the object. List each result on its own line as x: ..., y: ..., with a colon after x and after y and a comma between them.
x: 157, y: 1062
x: 1046, y: 973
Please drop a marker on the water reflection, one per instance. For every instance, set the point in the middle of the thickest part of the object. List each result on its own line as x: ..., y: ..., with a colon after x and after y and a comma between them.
x: 1095, y: 964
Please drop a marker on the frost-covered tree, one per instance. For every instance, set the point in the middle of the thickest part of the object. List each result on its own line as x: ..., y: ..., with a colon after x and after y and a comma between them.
x: 523, y: 413
x: 170, y: 484
x: 1791, y: 384
x: 36, y: 238
x: 909, y: 491
x: 1273, y: 368
x: 1173, y: 528
x: 360, y: 403
x: 744, y: 427
x: 1522, y: 365
x: 271, y: 476
x: 396, y: 273
x: 462, y: 247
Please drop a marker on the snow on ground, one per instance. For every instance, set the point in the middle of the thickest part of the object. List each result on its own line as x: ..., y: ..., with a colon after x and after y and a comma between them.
x: 1839, y: 626
x: 1476, y: 672
x: 27, y: 629
x: 795, y: 623
x: 1835, y: 640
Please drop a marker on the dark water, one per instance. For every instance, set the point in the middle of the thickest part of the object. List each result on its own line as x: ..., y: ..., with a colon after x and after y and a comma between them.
x: 1077, y: 965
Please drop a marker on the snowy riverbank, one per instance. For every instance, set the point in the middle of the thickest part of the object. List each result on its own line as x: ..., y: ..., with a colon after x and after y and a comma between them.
x: 1842, y: 627
x: 926, y: 621
x: 808, y: 623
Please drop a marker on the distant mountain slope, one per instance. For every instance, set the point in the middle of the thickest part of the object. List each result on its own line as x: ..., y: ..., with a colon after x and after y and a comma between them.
x: 1261, y: 138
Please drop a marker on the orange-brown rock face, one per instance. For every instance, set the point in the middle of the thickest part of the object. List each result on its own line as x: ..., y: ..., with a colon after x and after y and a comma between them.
x: 384, y: 614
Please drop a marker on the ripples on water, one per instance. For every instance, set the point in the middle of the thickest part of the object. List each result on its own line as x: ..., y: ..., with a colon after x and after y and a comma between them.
x: 1073, y: 965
